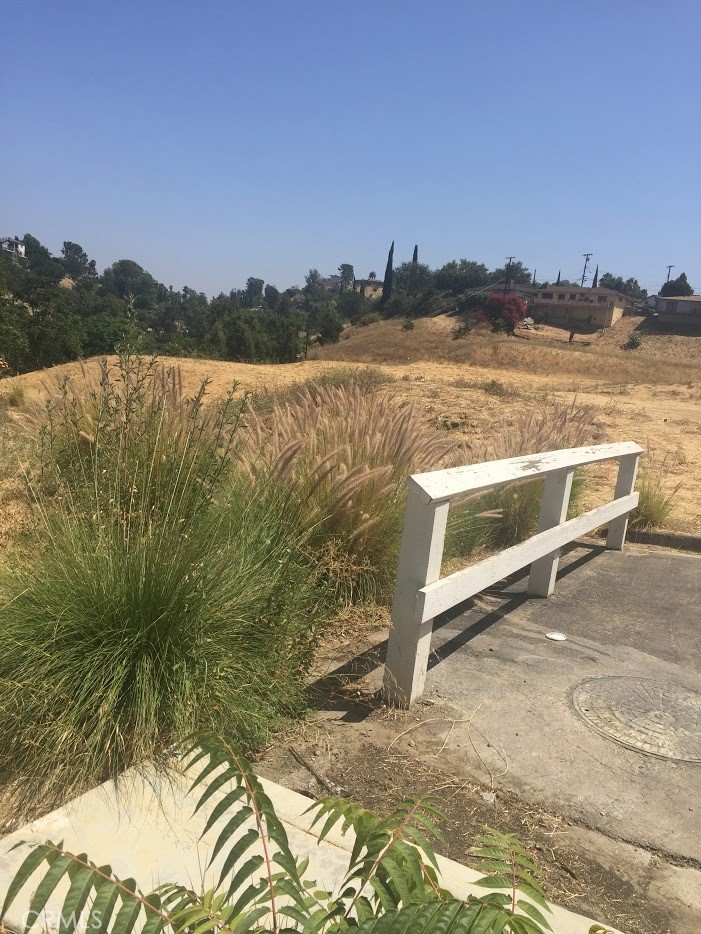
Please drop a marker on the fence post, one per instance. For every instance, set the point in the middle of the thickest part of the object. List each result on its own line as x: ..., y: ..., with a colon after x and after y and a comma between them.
x: 625, y: 484
x: 420, y: 558
x: 553, y: 511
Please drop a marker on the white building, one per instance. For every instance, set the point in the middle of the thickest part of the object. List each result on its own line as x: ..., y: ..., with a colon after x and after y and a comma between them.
x: 13, y: 247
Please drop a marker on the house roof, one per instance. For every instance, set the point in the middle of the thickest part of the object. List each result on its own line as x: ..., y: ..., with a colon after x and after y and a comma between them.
x: 680, y: 298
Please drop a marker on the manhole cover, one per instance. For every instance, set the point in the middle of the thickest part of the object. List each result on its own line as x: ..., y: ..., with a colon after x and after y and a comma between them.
x: 656, y: 717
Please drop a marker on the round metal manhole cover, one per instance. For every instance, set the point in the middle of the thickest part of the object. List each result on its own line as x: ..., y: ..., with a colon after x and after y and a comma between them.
x: 655, y: 717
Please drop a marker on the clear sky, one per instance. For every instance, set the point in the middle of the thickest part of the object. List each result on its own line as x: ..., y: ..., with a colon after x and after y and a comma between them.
x: 220, y: 139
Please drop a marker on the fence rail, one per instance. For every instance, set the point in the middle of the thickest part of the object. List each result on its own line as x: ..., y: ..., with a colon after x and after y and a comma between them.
x: 421, y: 595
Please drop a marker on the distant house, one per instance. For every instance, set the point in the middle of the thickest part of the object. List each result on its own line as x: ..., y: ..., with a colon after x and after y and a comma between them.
x: 679, y: 309
x: 368, y: 288
x: 585, y: 308
x: 12, y: 247
x: 332, y: 283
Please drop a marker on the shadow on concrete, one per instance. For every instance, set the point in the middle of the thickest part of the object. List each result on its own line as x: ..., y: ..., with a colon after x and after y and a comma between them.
x: 334, y: 690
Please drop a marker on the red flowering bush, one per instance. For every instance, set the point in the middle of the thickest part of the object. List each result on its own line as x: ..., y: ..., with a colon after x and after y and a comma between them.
x: 502, y: 312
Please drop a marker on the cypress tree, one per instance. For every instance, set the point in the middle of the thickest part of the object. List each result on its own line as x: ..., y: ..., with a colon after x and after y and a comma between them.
x: 595, y: 283
x: 415, y: 257
x: 389, y: 274
x: 558, y: 277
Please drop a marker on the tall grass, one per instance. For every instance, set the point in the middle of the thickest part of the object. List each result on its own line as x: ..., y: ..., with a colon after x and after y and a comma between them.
x: 657, y: 495
x: 166, y: 596
x: 508, y: 515
x: 344, y: 453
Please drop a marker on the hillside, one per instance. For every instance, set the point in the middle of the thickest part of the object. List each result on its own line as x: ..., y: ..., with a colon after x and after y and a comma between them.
x: 542, y: 353
x: 658, y: 405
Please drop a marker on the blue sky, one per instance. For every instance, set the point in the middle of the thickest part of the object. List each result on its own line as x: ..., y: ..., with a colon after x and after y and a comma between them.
x: 213, y: 141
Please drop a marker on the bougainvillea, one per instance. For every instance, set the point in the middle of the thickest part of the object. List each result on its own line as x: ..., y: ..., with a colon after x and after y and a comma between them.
x: 502, y: 312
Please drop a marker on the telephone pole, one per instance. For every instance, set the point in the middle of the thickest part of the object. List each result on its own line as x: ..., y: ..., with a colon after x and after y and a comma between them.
x: 506, y: 274
x: 586, y: 263
x: 669, y: 269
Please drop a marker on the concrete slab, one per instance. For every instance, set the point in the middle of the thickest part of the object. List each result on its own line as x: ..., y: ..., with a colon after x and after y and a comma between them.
x: 149, y: 833
x: 632, y: 615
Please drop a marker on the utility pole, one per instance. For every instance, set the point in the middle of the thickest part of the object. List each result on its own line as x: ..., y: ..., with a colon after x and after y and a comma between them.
x: 506, y: 274
x: 669, y: 269
x: 586, y: 263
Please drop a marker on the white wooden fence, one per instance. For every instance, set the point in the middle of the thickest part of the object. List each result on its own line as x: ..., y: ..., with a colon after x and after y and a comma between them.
x: 420, y: 594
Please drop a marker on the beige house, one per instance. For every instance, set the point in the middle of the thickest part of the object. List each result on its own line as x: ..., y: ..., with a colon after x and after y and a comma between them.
x: 575, y: 307
x: 679, y: 309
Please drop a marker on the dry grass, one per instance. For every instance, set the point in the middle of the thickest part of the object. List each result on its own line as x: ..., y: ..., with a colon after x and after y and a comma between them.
x: 387, y: 342
x: 345, y: 451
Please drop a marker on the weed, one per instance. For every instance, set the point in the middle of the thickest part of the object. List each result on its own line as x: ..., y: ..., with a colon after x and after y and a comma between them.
x: 657, y: 495
x: 493, y: 387
x: 14, y: 398
x: 634, y: 341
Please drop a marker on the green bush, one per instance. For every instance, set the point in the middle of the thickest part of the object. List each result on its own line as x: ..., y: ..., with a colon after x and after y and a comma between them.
x: 391, y: 885
x: 167, y: 595
x: 634, y: 341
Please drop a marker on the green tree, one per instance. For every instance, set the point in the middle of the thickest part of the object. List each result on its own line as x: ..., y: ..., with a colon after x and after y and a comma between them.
x: 347, y: 274
x: 629, y: 287
x: 254, y: 292
x: 329, y: 327
x: 125, y: 278
x: 272, y: 296
x: 517, y: 274
x: 350, y: 306
x: 389, y: 272
x: 412, y: 278
x: 458, y: 276
x: 14, y: 337
x: 678, y: 286
x: 313, y: 286
x: 75, y: 259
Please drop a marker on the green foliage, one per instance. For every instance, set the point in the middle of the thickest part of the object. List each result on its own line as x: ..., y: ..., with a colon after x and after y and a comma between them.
x: 412, y: 278
x: 678, y: 286
x: 630, y: 287
x: 391, y: 884
x: 457, y: 276
x: 350, y: 306
x: 389, y: 273
x: 634, y: 341
x: 167, y: 595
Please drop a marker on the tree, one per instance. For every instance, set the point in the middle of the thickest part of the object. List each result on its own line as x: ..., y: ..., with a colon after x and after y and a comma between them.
x: 372, y: 275
x: 350, y: 306
x: 125, y: 278
x: 458, y: 276
x: 253, y: 292
x: 412, y: 278
x: 75, y: 259
x: 629, y: 287
x: 313, y: 286
x: 678, y: 286
x: 415, y: 257
x: 14, y: 339
x: 389, y: 272
x: 347, y: 275
x: 329, y: 327
x: 516, y: 273
x: 596, y: 277
x: 272, y: 296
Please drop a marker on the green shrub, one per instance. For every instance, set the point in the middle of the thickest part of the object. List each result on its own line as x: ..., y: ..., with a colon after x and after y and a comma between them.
x: 391, y: 885
x: 634, y: 341
x: 166, y: 596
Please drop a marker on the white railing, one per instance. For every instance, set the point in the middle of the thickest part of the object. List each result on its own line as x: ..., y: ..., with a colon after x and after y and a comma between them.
x: 420, y: 594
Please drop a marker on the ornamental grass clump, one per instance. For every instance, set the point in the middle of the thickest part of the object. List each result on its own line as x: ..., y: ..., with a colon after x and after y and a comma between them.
x: 344, y: 453
x: 166, y: 594
x: 508, y: 515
